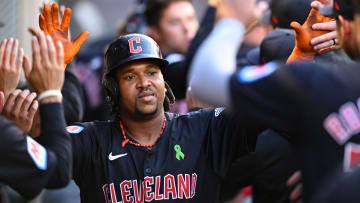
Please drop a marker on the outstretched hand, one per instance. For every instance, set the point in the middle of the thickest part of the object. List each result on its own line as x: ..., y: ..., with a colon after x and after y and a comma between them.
x: 46, y: 72
x: 9, y: 67
x: 248, y: 12
x: 49, y: 24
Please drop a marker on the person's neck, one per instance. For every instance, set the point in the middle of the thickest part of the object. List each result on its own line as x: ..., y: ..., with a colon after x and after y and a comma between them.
x: 145, y: 131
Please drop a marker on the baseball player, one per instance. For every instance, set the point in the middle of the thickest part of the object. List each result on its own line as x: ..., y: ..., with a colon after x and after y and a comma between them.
x: 25, y: 165
x: 318, y: 106
x: 147, y: 154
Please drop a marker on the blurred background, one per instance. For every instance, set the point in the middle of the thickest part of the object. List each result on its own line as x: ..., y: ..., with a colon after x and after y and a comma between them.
x: 100, y: 17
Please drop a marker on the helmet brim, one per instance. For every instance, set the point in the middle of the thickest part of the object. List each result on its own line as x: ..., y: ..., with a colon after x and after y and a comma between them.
x: 163, y: 64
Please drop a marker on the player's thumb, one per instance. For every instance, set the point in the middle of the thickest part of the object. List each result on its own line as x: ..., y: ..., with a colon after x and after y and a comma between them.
x: 297, y: 27
x: 27, y: 67
x: 80, y: 40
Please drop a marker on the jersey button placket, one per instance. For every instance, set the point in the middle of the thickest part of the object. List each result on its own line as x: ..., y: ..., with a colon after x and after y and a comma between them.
x: 148, y: 171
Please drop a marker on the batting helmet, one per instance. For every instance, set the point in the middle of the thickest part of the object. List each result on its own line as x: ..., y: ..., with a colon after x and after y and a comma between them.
x: 132, y: 47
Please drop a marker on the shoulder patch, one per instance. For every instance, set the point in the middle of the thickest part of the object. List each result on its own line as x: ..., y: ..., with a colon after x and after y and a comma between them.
x: 74, y: 129
x: 218, y: 111
x: 250, y: 74
x: 37, y: 153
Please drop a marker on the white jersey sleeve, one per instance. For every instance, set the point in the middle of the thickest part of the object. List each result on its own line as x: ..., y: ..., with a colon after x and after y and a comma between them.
x: 215, y: 62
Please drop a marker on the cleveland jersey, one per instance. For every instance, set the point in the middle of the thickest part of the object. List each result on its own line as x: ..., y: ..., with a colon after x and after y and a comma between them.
x: 318, y: 106
x: 185, y: 164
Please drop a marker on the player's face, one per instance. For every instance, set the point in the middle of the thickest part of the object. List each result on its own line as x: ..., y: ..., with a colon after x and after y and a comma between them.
x: 177, y: 27
x: 142, y: 88
x: 347, y: 34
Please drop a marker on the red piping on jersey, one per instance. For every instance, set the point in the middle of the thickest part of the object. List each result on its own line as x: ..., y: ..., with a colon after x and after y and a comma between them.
x: 126, y: 140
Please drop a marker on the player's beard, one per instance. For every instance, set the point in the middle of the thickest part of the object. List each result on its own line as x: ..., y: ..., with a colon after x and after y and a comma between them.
x: 140, y: 113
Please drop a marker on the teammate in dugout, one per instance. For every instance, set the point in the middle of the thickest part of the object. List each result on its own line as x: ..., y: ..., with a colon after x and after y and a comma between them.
x: 318, y: 106
x: 25, y: 165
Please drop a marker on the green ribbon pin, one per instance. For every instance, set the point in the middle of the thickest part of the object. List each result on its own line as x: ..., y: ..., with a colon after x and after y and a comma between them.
x: 179, y: 153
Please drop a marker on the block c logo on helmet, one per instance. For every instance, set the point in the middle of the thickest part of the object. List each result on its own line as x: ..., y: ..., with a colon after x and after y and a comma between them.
x: 134, y: 44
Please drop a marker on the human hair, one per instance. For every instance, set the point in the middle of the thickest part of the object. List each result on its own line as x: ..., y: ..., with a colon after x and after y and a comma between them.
x: 154, y: 9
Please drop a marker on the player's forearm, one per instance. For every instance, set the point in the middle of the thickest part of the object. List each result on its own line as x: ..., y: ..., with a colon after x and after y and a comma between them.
x: 55, y: 137
x: 72, y: 98
x: 215, y: 61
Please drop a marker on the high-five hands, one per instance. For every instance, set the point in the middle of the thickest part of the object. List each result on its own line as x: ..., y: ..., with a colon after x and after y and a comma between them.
x: 304, y: 49
x: 46, y: 72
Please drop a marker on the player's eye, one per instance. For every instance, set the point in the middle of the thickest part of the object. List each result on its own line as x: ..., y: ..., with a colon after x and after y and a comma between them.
x: 129, y: 77
x: 152, y: 73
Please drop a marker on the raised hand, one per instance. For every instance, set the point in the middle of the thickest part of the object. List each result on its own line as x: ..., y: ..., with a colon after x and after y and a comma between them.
x: 49, y: 24
x: 21, y: 107
x: 9, y: 67
x: 46, y: 72
x: 246, y: 11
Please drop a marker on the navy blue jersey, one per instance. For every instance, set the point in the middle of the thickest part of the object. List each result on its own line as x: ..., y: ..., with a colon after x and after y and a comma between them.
x: 317, y: 105
x: 267, y: 169
x: 185, y: 164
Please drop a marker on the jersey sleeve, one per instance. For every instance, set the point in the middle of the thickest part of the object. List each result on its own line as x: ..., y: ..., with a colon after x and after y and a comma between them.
x: 271, y: 95
x: 83, y: 143
x: 226, y: 139
x: 28, y: 166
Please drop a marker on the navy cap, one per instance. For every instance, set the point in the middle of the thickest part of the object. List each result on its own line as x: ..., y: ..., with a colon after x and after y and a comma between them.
x: 277, y: 45
x: 345, y: 8
x: 283, y: 12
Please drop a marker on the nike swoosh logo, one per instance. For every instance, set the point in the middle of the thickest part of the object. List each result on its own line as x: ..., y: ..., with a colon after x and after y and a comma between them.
x: 111, y: 157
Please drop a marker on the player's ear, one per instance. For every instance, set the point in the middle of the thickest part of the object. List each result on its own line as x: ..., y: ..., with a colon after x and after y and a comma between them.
x: 346, y: 27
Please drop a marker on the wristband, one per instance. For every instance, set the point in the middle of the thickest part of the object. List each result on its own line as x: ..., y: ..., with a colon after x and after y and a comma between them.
x: 49, y: 93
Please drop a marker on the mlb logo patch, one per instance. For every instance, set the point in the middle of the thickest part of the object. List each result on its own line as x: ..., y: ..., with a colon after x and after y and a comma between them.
x: 218, y: 111
x: 37, y: 153
x: 74, y: 129
x: 250, y: 74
